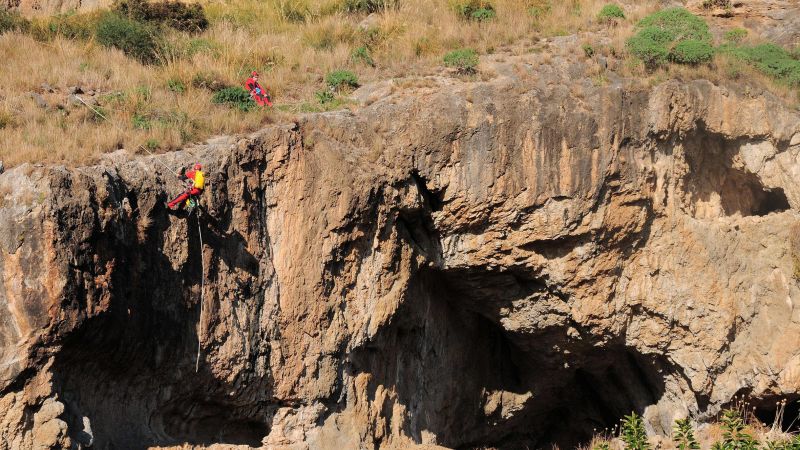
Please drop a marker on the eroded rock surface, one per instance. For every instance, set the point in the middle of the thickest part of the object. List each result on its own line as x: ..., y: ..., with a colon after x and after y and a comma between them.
x: 502, y: 263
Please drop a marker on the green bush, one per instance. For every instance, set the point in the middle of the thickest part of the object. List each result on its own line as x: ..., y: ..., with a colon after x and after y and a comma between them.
x: 679, y: 23
x: 770, y: 59
x: 610, y: 13
x: 672, y: 34
x: 477, y: 10
x: 735, y: 35
x: 135, y: 39
x: 12, y: 21
x: 235, y: 97
x: 683, y: 435
x: 588, y: 50
x: 692, y: 52
x: 174, y: 14
x: 650, y: 45
x: 325, y: 97
x: 465, y: 60
x: 342, y: 79
x: 540, y: 9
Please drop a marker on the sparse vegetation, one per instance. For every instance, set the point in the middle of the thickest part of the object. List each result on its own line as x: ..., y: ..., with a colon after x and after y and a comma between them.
x: 173, y: 14
x: 464, y: 60
x: 12, y: 21
x: 235, y: 97
x: 340, y: 80
x: 735, y: 35
x: 477, y: 10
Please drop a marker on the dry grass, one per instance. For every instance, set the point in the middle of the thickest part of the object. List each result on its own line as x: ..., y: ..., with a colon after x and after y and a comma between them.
x: 292, y: 52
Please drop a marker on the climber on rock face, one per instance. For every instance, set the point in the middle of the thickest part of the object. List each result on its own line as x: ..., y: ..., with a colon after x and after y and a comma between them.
x: 197, y: 183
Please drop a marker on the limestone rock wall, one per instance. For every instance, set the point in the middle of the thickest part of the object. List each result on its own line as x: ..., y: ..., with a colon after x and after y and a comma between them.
x: 497, y: 263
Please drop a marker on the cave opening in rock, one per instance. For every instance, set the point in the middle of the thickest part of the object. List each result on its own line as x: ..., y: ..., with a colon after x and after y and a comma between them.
x: 778, y: 412
x: 719, y: 184
x: 469, y: 370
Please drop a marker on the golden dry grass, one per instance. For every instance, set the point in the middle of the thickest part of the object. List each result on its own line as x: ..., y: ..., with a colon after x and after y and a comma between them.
x: 292, y: 55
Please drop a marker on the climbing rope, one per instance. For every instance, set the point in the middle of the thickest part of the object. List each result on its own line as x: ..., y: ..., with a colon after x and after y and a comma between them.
x: 202, y: 291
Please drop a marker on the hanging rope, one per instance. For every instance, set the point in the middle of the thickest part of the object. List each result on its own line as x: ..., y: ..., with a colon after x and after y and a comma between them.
x: 202, y: 290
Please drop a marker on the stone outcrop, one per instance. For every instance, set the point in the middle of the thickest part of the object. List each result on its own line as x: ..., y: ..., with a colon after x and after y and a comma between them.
x: 498, y: 263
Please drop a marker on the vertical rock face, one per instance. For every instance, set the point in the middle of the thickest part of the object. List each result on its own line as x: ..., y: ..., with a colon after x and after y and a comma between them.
x: 501, y: 264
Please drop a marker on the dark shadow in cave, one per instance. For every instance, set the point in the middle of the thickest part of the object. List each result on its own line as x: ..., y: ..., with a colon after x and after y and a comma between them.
x: 130, y: 370
x: 712, y: 173
x: 777, y: 410
x: 450, y: 361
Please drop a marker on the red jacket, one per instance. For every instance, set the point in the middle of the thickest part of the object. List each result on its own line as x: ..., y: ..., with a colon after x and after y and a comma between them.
x: 252, y: 85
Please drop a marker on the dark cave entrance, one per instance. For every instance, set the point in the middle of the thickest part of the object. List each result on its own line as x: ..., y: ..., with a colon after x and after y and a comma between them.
x: 778, y: 411
x: 485, y: 385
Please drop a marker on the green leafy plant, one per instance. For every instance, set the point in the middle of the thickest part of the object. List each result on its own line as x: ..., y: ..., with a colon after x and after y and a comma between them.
x: 602, y: 446
x: 735, y: 35
x: 539, y: 9
x: 633, y: 434
x: 478, y: 10
x: 135, y: 39
x: 235, y: 97
x: 342, y: 80
x: 588, y: 50
x: 68, y: 25
x: 141, y: 121
x: 734, y: 435
x: 464, y: 60
x: 152, y: 144
x: 692, y: 51
x: 173, y: 14
x: 610, y: 13
x: 683, y: 435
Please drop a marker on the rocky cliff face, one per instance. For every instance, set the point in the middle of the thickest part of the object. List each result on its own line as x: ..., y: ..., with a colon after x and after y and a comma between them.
x: 501, y: 263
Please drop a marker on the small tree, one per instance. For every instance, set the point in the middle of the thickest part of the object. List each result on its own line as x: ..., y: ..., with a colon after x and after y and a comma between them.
x: 633, y: 433
x: 133, y: 38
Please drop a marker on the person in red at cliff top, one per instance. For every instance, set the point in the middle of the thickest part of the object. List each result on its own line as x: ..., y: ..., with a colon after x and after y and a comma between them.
x: 198, y: 179
x: 258, y: 93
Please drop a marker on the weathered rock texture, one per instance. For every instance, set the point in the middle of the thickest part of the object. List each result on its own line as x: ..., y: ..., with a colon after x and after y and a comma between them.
x: 504, y: 263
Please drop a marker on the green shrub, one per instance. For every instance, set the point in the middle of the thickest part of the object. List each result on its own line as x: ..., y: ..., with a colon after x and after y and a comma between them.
x: 6, y: 120
x: 141, y: 121
x: 464, y: 60
x: 683, y: 435
x: 770, y: 59
x: 610, y: 13
x: 679, y: 23
x: 362, y: 55
x: 650, y: 45
x: 671, y: 34
x: 235, y: 97
x: 341, y: 80
x: 174, y: 14
x: 633, y: 434
x: 588, y: 50
x: 135, y: 39
x: 692, y: 52
x: 12, y: 21
x: 735, y: 35
x: 477, y: 10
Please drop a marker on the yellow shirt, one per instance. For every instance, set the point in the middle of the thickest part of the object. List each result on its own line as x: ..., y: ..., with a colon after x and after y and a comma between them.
x: 199, y: 180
